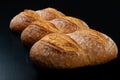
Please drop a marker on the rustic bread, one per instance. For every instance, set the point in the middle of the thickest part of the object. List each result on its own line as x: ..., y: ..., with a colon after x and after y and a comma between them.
x: 60, y: 41
x: 22, y: 20
x: 78, y: 49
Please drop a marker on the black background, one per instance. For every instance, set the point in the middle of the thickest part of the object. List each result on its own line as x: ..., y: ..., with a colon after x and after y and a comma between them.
x: 14, y: 61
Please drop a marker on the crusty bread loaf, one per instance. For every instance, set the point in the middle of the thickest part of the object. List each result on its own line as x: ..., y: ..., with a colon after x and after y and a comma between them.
x: 22, y: 20
x: 60, y: 41
x: 78, y: 49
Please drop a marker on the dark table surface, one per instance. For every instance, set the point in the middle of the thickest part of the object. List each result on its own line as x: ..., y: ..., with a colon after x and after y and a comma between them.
x: 14, y: 60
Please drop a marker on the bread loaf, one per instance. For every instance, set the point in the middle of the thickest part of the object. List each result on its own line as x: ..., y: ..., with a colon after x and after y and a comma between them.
x: 60, y: 41
x: 22, y: 20
x: 78, y: 49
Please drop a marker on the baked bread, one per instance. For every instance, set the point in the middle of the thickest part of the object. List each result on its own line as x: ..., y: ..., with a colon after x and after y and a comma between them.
x: 78, y: 49
x: 22, y: 20
x: 60, y: 41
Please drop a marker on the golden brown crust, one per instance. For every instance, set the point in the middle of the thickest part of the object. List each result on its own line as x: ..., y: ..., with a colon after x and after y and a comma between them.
x: 99, y: 47
x: 31, y: 14
x: 80, y: 23
x: 64, y: 25
x: 54, y: 11
x: 45, y: 25
x: 77, y: 49
x: 49, y: 13
x: 58, y: 51
x: 46, y: 15
x: 57, y: 38
x: 61, y: 41
x: 22, y: 20
x: 35, y: 31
